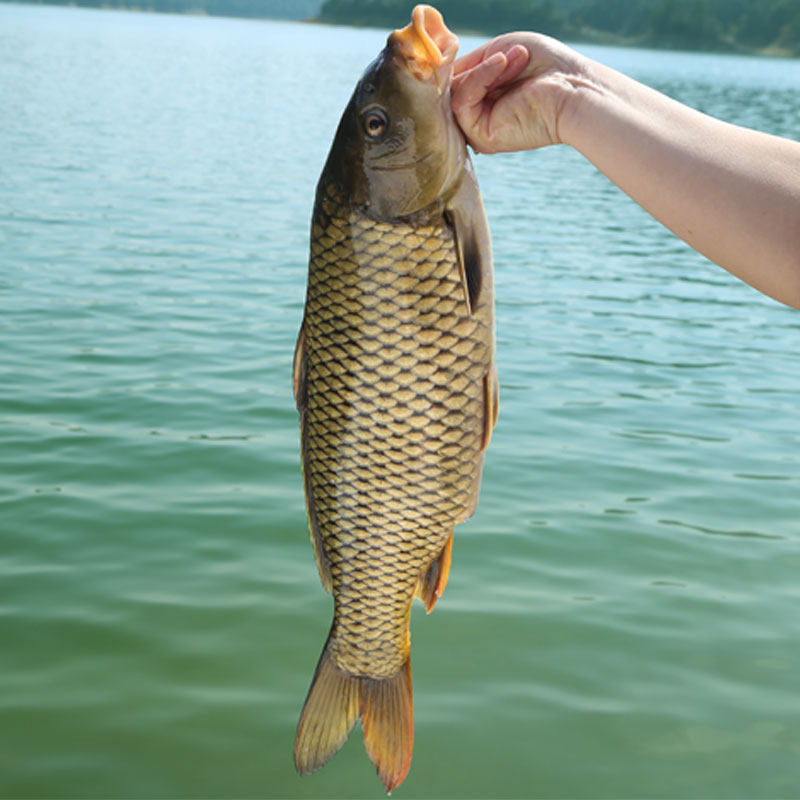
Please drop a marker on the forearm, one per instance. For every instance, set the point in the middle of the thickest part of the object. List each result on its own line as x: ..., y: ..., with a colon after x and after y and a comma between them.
x: 731, y: 193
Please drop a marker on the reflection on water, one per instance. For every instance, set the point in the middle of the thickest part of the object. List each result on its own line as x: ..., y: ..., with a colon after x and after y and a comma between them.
x: 619, y: 620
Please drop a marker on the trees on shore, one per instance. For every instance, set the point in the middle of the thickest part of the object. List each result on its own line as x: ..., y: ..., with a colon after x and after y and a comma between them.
x: 743, y: 25
x: 690, y: 24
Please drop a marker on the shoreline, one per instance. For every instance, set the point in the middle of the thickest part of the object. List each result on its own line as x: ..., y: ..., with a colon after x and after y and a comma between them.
x: 593, y: 36
x: 578, y: 36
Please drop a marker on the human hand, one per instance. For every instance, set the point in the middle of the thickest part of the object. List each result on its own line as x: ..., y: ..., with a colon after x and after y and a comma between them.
x: 510, y: 93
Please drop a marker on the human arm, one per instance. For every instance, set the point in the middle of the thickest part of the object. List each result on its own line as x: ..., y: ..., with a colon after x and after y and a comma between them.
x: 730, y: 192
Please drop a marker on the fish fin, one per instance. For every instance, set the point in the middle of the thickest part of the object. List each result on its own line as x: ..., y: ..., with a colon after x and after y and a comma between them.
x: 323, y: 564
x: 299, y: 383
x: 329, y: 713
x: 430, y: 586
x: 495, y: 395
x: 387, y: 717
x: 491, y: 403
x: 467, y: 219
x: 468, y: 257
x: 299, y: 369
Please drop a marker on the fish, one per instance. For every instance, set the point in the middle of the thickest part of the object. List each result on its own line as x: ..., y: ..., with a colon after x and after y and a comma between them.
x: 395, y: 383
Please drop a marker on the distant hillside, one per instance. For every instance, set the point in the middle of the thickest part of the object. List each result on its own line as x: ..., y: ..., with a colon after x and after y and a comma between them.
x: 270, y: 9
x: 756, y: 26
x: 771, y: 26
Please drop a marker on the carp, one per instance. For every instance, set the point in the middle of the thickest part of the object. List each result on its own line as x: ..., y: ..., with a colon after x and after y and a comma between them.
x: 395, y: 382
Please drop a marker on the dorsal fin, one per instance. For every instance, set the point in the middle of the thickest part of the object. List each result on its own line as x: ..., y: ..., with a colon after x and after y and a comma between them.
x: 299, y: 386
x: 299, y: 369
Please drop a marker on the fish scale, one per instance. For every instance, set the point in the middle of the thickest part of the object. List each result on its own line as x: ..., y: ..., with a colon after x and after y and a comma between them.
x: 394, y: 418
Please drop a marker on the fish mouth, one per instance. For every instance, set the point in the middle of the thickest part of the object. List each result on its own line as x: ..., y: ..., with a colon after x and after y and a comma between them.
x: 426, y: 45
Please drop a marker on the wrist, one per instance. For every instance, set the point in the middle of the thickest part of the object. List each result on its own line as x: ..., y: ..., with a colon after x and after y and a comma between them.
x: 578, y: 92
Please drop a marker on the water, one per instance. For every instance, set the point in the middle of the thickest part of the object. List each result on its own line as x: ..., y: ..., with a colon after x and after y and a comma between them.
x: 621, y: 619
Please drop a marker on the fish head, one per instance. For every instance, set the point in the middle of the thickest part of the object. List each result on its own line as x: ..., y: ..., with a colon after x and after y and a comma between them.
x: 398, y: 148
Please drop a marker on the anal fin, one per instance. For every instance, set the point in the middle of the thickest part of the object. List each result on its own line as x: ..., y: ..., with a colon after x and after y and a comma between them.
x: 430, y: 586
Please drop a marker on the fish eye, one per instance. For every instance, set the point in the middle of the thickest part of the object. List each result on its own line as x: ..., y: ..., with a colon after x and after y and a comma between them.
x: 375, y: 123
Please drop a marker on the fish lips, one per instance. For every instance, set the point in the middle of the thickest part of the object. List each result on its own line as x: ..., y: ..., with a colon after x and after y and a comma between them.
x: 425, y: 47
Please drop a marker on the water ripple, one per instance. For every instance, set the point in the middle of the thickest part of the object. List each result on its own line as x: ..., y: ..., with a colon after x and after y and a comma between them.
x: 737, y: 534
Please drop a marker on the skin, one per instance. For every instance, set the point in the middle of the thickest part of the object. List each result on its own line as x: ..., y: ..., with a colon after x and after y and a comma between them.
x: 730, y: 192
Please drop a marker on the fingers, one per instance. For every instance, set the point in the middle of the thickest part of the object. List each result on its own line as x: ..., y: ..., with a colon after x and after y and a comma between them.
x: 468, y: 61
x: 472, y: 86
x: 469, y: 98
x: 501, y: 44
x: 517, y: 59
x: 472, y: 83
x: 504, y: 95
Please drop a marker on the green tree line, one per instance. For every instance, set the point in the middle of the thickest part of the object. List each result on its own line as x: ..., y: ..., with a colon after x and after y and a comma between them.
x: 744, y: 25
x: 276, y: 9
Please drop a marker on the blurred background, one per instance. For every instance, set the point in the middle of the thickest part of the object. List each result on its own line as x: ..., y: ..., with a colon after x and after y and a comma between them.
x: 765, y: 26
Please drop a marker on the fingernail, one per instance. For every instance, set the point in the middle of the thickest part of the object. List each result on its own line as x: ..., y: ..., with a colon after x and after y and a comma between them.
x: 517, y: 52
x: 495, y: 59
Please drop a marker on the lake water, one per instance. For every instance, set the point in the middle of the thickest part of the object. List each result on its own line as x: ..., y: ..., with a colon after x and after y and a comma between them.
x: 623, y: 614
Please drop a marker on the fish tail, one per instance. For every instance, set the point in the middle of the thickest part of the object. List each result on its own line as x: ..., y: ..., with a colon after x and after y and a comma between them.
x: 336, y: 700
x: 329, y: 713
x: 387, y: 717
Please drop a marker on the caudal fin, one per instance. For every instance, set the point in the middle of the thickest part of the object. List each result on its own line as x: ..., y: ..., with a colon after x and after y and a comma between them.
x: 334, y: 703
x: 330, y: 711
x: 388, y: 720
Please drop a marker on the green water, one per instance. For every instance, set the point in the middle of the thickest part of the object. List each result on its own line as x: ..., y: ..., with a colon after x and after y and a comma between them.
x: 622, y: 615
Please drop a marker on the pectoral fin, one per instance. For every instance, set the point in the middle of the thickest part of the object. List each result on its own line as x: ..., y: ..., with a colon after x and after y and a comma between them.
x: 468, y: 256
x: 467, y: 219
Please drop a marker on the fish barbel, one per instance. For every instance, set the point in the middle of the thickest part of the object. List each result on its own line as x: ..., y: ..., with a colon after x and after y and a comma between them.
x: 395, y: 383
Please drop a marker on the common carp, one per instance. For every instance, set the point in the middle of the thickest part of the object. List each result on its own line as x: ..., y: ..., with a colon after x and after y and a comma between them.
x: 395, y: 382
